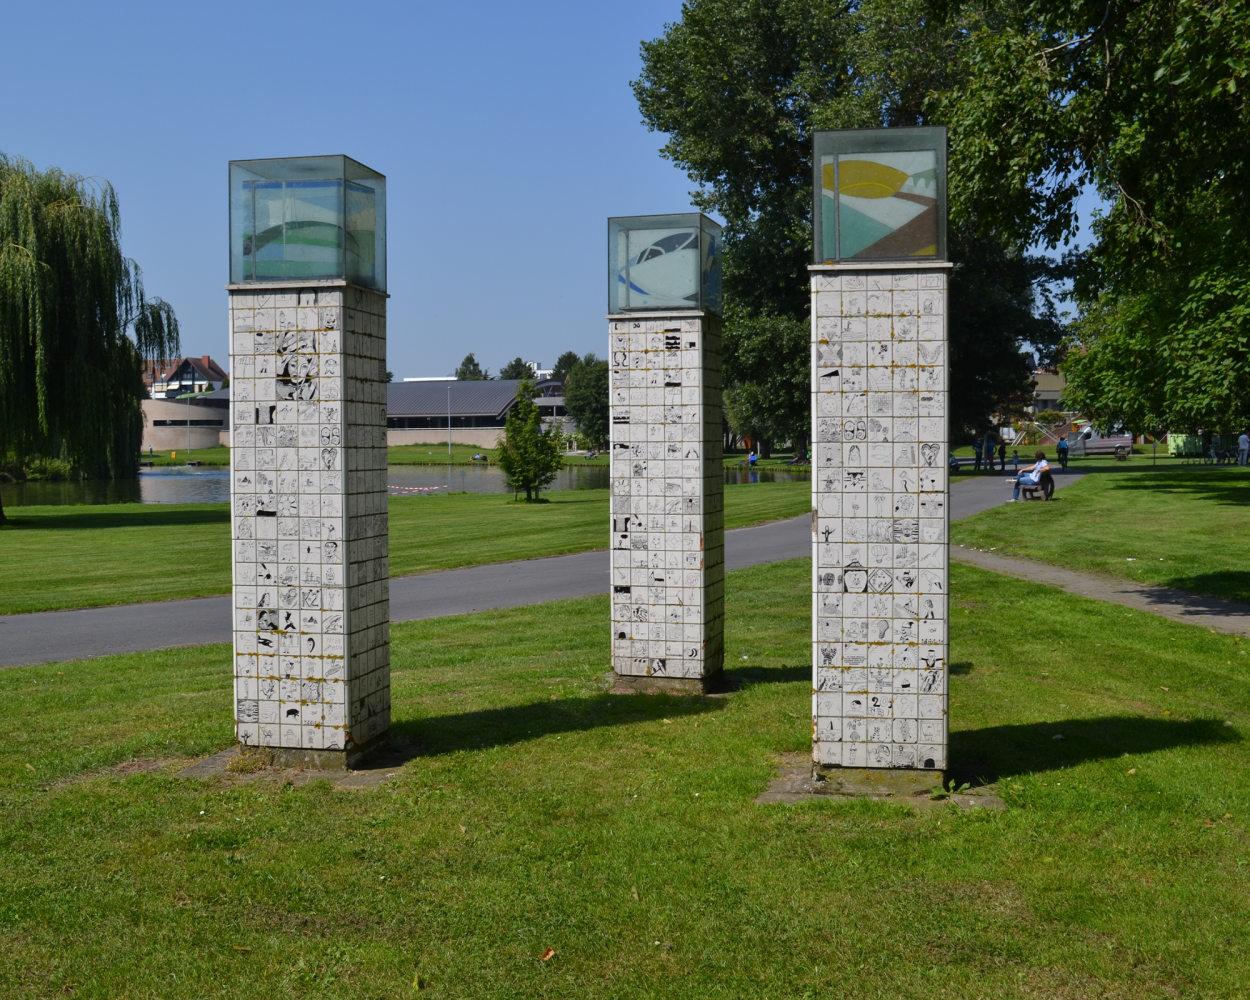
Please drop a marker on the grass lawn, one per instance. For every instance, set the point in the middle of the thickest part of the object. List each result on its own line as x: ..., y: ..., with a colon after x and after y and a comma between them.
x: 71, y: 557
x: 1183, y: 527
x: 462, y: 454
x: 622, y: 833
x: 180, y: 456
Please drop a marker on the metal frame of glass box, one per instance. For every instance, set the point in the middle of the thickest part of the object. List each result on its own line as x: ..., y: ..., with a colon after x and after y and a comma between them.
x: 651, y: 268
x: 307, y: 218
x: 889, y: 195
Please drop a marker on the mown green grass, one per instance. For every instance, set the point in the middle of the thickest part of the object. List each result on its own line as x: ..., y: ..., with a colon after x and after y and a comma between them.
x: 462, y: 454
x: 621, y: 831
x: 68, y: 557
x: 180, y: 456
x: 1180, y: 527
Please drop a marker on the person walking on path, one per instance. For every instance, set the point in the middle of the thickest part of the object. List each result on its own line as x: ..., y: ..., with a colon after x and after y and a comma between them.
x: 989, y: 450
x: 1015, y: 457
x: 1243, y: 448
x: 1061, y: 451
x: 977, y: 445
x: 1002, y: 455
x: 1031, y: 475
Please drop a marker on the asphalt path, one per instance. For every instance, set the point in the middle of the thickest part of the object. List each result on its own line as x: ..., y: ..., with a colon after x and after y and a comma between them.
x: 53, y: 636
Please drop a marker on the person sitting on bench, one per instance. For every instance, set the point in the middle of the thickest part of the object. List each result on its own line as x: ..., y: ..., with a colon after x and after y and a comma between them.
x: 1032, y: 475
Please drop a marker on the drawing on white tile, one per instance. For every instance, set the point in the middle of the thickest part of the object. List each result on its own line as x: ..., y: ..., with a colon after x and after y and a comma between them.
x: 667, y: 506
x: 309, y: 523
x: 880, y: 524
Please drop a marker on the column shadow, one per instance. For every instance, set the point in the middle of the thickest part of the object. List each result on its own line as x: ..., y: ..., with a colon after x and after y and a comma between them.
x: 984, y: 756
x: 443, y: 734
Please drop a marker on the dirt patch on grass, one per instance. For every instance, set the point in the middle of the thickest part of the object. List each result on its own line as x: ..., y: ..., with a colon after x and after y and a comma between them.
x: 125, y: 769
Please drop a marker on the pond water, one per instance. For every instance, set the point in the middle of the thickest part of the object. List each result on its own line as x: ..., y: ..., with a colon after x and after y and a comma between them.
x: 184, y: 484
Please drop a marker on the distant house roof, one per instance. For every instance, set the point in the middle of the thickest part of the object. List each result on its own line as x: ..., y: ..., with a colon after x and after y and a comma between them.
x: 204, y: 366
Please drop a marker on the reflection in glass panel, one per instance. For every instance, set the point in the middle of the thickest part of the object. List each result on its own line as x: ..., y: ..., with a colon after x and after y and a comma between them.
x: 295, y: 229
x: 711, y: 266
x: 886, y: 204
x: 361, y: 233
x: 661, y: 268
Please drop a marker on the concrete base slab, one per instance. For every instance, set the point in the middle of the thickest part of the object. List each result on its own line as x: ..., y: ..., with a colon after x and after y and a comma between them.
x: 799, y: 780
x: 875, y: 782
x: 630, y: 684
x: 373, y: 764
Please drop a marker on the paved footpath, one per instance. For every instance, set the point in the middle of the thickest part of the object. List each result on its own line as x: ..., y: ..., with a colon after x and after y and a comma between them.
x: 128, y: 628
x: 1178, y: 605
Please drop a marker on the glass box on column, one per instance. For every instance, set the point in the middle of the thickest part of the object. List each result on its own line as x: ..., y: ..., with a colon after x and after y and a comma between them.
x: 879, y: 195
x: 664, y: 263
x: 305, y: 218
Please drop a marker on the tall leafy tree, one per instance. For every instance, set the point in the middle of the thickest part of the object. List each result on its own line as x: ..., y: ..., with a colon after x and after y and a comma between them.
x: 529, y: 456
x: 1145, y: 102
x: 586, y: 399
x: 75, y: 325
x: 739, y: 86
x: 471, y: 371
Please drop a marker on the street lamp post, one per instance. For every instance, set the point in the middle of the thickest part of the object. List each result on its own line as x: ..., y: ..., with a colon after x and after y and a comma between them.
x: 448, y: 421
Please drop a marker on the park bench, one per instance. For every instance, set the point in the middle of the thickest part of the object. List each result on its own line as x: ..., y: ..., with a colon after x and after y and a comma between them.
x: 1045, y: 485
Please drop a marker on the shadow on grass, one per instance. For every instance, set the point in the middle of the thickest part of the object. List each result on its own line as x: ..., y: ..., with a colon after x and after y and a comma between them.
x: 443, y: 734
x: 736, y: 678
x: 132, y: 516
x: 1227, y: 585
x: 1219, y: 484
x: 983, y: 756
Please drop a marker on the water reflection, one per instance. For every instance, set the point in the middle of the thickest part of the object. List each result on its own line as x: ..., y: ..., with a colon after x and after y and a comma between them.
x: 174, y: 484
x: 184, y: 484
x: 743, y: 475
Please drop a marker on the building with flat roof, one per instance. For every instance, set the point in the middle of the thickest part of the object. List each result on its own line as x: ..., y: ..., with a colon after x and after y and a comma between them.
x: 189, y: 422
x: 419, y: 412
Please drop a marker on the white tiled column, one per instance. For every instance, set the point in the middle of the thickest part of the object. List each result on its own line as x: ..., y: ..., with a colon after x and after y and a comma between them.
x: 879, y: 489
x: 668, y: 560
x: 308, y: 525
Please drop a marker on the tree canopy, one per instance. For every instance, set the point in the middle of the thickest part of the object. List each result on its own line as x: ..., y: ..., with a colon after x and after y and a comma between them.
x: 739, y: 86
x: 565, y: 363
x: 516, y: 369
x: 75, y: 324
x: 471, y: 371
x: 586, y: 399
x: 1146, y: 103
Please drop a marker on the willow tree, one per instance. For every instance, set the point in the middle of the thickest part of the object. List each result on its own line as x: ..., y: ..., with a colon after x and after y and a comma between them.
x: 75, y: 325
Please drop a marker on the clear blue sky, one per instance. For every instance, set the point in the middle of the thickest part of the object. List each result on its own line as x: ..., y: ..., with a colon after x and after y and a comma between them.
x: 508, y: 134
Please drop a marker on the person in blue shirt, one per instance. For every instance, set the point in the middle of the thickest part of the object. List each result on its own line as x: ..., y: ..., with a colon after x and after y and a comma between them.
x: 977, y: 445
x: 1061, y: 450
x: 1031, y: 475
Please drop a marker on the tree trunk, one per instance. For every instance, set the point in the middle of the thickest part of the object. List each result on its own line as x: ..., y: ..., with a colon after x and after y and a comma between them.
x: 765, y: 448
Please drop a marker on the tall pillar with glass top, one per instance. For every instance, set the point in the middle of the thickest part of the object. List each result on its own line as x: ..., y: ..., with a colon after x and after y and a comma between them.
x: 664, y: 343
x: 881, y: 427
x: 308, y: 458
